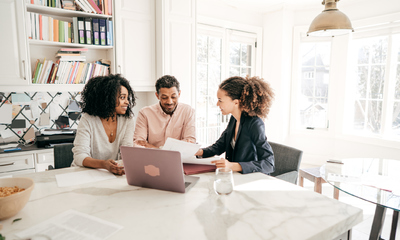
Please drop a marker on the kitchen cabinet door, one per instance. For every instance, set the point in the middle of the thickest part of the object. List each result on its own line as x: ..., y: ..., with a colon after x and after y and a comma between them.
x: 135, y: 42
x: 13, y: 60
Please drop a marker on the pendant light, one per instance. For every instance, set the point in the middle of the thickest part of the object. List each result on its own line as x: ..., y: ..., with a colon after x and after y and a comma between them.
x: 331, y: 22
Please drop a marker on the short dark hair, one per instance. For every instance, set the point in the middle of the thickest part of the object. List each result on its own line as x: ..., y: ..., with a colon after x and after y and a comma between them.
x: 254, y: 94
x: 100, y: 94
x: 167, y: 81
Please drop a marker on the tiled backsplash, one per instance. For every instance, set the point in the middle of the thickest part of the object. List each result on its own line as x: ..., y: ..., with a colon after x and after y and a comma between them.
x: 35, y: 110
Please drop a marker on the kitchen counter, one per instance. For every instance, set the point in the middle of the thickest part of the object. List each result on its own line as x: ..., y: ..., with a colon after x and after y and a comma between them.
x: 261, y: 207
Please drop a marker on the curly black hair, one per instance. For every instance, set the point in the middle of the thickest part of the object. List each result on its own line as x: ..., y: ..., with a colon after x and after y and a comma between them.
x: 254, y: 94
x: 100, y: 94
x: 167, y: 81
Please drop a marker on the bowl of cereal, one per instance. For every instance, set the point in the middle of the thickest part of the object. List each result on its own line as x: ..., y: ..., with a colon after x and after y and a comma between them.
x: 14, y: 194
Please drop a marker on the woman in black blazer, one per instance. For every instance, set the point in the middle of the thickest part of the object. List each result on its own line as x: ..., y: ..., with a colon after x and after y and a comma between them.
x: 244, y: 141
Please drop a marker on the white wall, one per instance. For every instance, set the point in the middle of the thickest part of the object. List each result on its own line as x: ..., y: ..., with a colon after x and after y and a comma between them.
x: 317, y: 147
x: 221, y: 10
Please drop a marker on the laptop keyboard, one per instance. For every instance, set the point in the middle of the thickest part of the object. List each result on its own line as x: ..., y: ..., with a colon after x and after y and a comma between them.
x: 187, y: 184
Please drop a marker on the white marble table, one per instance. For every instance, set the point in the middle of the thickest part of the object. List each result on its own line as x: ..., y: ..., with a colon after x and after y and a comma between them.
x: 261, y: 207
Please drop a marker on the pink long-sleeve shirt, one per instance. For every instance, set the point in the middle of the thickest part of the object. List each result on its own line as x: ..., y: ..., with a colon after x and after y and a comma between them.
x: 155, y: 126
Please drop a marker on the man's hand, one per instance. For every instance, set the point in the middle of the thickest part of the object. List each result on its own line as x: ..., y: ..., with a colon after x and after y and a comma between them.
x: 144, y: 144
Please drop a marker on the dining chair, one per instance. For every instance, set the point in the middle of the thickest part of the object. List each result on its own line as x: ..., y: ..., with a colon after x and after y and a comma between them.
x: 287, y: 162
x: 63, y: 155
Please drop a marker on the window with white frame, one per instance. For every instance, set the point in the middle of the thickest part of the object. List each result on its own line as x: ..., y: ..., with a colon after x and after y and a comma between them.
x: 221, y: 53
x: 313, y: 85
x: 375, y: 82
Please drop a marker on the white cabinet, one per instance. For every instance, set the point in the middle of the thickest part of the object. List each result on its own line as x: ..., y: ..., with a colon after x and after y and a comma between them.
x: 135, y: 42
x: 16, y: 163
x: 43, y: 160
x: 13, y: 61
x: 176, y: 44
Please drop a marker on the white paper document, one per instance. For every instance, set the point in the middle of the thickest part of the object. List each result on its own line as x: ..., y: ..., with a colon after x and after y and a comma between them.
x: 71, y: 224
x: 206, y: 161
x: 187, y: 150
x: 77, y: 178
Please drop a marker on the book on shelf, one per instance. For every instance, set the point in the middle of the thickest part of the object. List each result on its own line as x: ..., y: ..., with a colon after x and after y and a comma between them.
x: 73, y: 50
x: 103, y: 37
x: 88, y: 30
x: 81, y: 29
x: 94, y: 5
x: 72, y: 58
x: 68, y: 72
x: 109, y: 34
x: 95, y: 27
x: 68, y: 4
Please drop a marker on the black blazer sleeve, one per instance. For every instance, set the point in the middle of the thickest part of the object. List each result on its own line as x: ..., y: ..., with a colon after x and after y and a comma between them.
x: 219, y: 147
x: 264, y: 158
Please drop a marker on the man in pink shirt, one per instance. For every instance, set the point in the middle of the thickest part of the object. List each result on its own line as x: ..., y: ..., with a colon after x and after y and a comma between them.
x: 165, y: 119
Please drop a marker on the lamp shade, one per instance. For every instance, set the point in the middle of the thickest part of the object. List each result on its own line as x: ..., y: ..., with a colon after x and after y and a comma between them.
x: 331, y: 22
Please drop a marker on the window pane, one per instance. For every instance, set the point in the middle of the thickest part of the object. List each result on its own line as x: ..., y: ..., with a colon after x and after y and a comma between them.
x: 245, y: 71
x: 308, y: 54
x: 234, y: 54
x: 377, y: 81
x: 379, y: 49
x: 214, y: 50
x: 374, y: 116
x: 397, y: 89
x: 307, y: 81
x: 396, y: 119
x: 314, y: 85
x: 363, y: 54
x: 202, y: 78
x: 202, y: 48
x: 361, y: 91
x: 359, y: 114
x: 245, y: 60
x: 321, y: 82
x: 234, y: 71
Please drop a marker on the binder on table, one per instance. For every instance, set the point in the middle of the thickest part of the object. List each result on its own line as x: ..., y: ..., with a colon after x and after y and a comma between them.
x: 88, y: 31
x: 96, y: 32
x: 103, y: 31
x: 81, y: 30
x: 190, y: 169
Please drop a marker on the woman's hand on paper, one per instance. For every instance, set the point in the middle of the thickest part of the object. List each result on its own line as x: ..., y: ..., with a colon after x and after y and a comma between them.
x: 113, y: 167
x: 223, y: 163
x: 199, y: 152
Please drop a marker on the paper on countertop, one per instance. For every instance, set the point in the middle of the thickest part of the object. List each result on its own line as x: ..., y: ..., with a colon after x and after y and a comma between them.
x: 77, y: 178
x: 187, y: 150
x: 6, y: 133
x: 6, y: 114
x: 71, y: 224
x: 10, y: 145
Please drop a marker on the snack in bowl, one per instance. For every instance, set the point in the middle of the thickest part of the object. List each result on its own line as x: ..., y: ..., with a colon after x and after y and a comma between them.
x: 16, y: 194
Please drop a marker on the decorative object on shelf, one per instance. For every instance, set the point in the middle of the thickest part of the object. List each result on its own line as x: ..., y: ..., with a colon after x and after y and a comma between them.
x: 331, y: 22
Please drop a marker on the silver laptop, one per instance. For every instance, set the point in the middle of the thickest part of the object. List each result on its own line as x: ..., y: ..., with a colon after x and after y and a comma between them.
x: 156, y: 168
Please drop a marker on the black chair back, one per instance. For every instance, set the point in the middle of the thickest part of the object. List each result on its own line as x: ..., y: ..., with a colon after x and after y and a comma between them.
x: 287, y: 160
x: 63, y: 155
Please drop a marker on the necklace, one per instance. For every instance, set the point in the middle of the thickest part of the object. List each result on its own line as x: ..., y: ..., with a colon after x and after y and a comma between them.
x: 108, y: 128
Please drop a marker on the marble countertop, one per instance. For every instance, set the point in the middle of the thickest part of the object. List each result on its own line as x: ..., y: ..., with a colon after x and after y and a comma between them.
x: 261, y: 207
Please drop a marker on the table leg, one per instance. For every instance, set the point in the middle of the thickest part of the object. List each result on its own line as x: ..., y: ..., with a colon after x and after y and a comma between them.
x: 301, y: 181
x: 394, y: 225
x: 335, y: 193
x: 317, y: 185
x: 377, y: 224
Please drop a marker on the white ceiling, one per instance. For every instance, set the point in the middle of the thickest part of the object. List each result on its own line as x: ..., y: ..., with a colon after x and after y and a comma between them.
x: 263, y: 6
